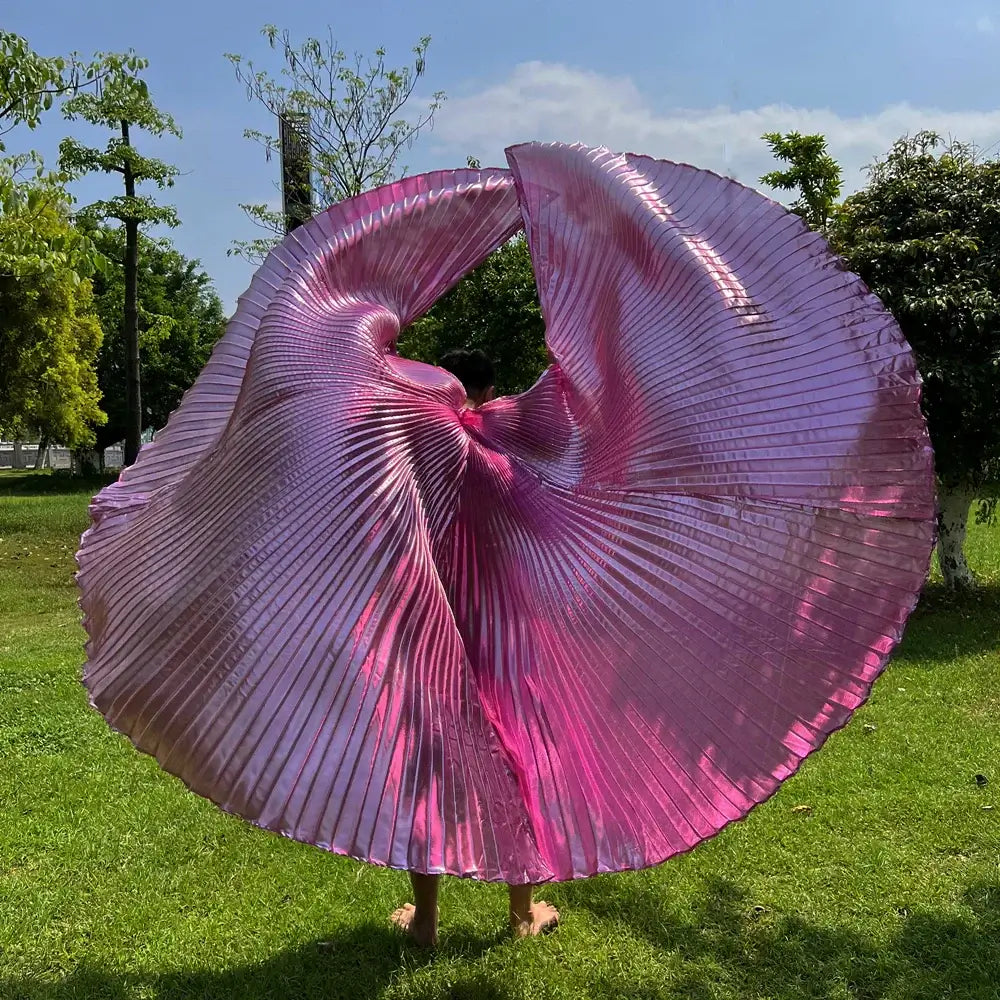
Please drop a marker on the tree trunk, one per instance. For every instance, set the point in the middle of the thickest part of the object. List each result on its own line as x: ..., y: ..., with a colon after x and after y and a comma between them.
x: 953, y: 517
x: 18, y: 459
x: 43, y: 447
x: 133, y: 393
x: 86, y: 461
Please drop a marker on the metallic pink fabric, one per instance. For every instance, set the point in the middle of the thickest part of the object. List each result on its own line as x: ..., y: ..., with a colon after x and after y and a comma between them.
x: 577, y: 630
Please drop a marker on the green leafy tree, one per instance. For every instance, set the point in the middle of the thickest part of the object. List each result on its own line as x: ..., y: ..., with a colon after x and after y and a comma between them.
x: 29, y: 84
x: 494, y: 309
x: 30, y: 247
x: 180, y: 319
x: 810, y: 171
x: 123, y: 105
x: 925, y: 235
x: 351, y: 113
x: 49, y: 338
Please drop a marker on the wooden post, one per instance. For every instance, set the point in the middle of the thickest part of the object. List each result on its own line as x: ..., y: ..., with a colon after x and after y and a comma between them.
x: 296, y: 176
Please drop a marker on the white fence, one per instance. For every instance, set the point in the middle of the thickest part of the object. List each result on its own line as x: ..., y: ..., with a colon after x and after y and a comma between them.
x: 23, y: 455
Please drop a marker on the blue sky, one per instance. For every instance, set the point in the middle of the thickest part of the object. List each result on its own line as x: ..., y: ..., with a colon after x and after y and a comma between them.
x: 683, y: 80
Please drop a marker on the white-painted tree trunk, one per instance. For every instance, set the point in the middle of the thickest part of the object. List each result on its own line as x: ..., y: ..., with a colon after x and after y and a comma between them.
x: 953, y: 517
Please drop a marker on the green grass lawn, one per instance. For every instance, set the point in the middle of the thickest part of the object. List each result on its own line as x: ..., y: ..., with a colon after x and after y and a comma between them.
x: 115, y: 882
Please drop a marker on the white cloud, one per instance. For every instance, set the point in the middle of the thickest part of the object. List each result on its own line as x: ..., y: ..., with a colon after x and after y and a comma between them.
x: 548, y: 101
x: 985, y: 25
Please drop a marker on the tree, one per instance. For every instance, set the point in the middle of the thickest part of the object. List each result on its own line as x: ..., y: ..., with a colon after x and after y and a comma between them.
x: 350, y: 113
x: 180, y: 319
x: 811, y: 171
x: 49, y: 337
x: 495, y: 309
x: 29, y: 83
x: 925, y: 236
x: 29, y: 194
x: 121, y: 105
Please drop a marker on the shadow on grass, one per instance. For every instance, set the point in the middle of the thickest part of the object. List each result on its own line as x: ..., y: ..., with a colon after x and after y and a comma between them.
x: 36, y: 484
x: 357, y: 963
x: 749, y: 952
x: 725, y: 946
x: 946, y: 625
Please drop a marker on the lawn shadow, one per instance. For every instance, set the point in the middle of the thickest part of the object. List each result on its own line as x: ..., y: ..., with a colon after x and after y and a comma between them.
x: 356, y: 963
x: 724, y: 945
x: 728, y: 941
x: 946, y: 625
x: 36, y: 484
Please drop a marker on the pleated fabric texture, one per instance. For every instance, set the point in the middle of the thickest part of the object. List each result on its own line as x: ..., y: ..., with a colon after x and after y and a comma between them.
x: 573, y: 631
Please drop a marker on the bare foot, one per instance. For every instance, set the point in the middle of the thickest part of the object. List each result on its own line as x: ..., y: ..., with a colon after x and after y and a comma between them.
x: 423, y: 932
x: 544, y: 917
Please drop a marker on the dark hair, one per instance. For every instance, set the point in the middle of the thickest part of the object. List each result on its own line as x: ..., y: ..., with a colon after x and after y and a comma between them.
x: 472, y: 368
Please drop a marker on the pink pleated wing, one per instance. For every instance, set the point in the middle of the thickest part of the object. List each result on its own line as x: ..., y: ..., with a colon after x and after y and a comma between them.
x: 264, y: 612
x: 701, y: 532
x: 573, y: 631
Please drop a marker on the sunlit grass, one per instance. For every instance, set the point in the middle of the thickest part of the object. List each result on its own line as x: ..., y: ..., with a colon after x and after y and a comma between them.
x: 115, y: 882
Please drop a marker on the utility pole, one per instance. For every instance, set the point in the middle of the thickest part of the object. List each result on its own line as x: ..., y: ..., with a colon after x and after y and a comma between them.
x: 133, y: 381
x: 296, y: 174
